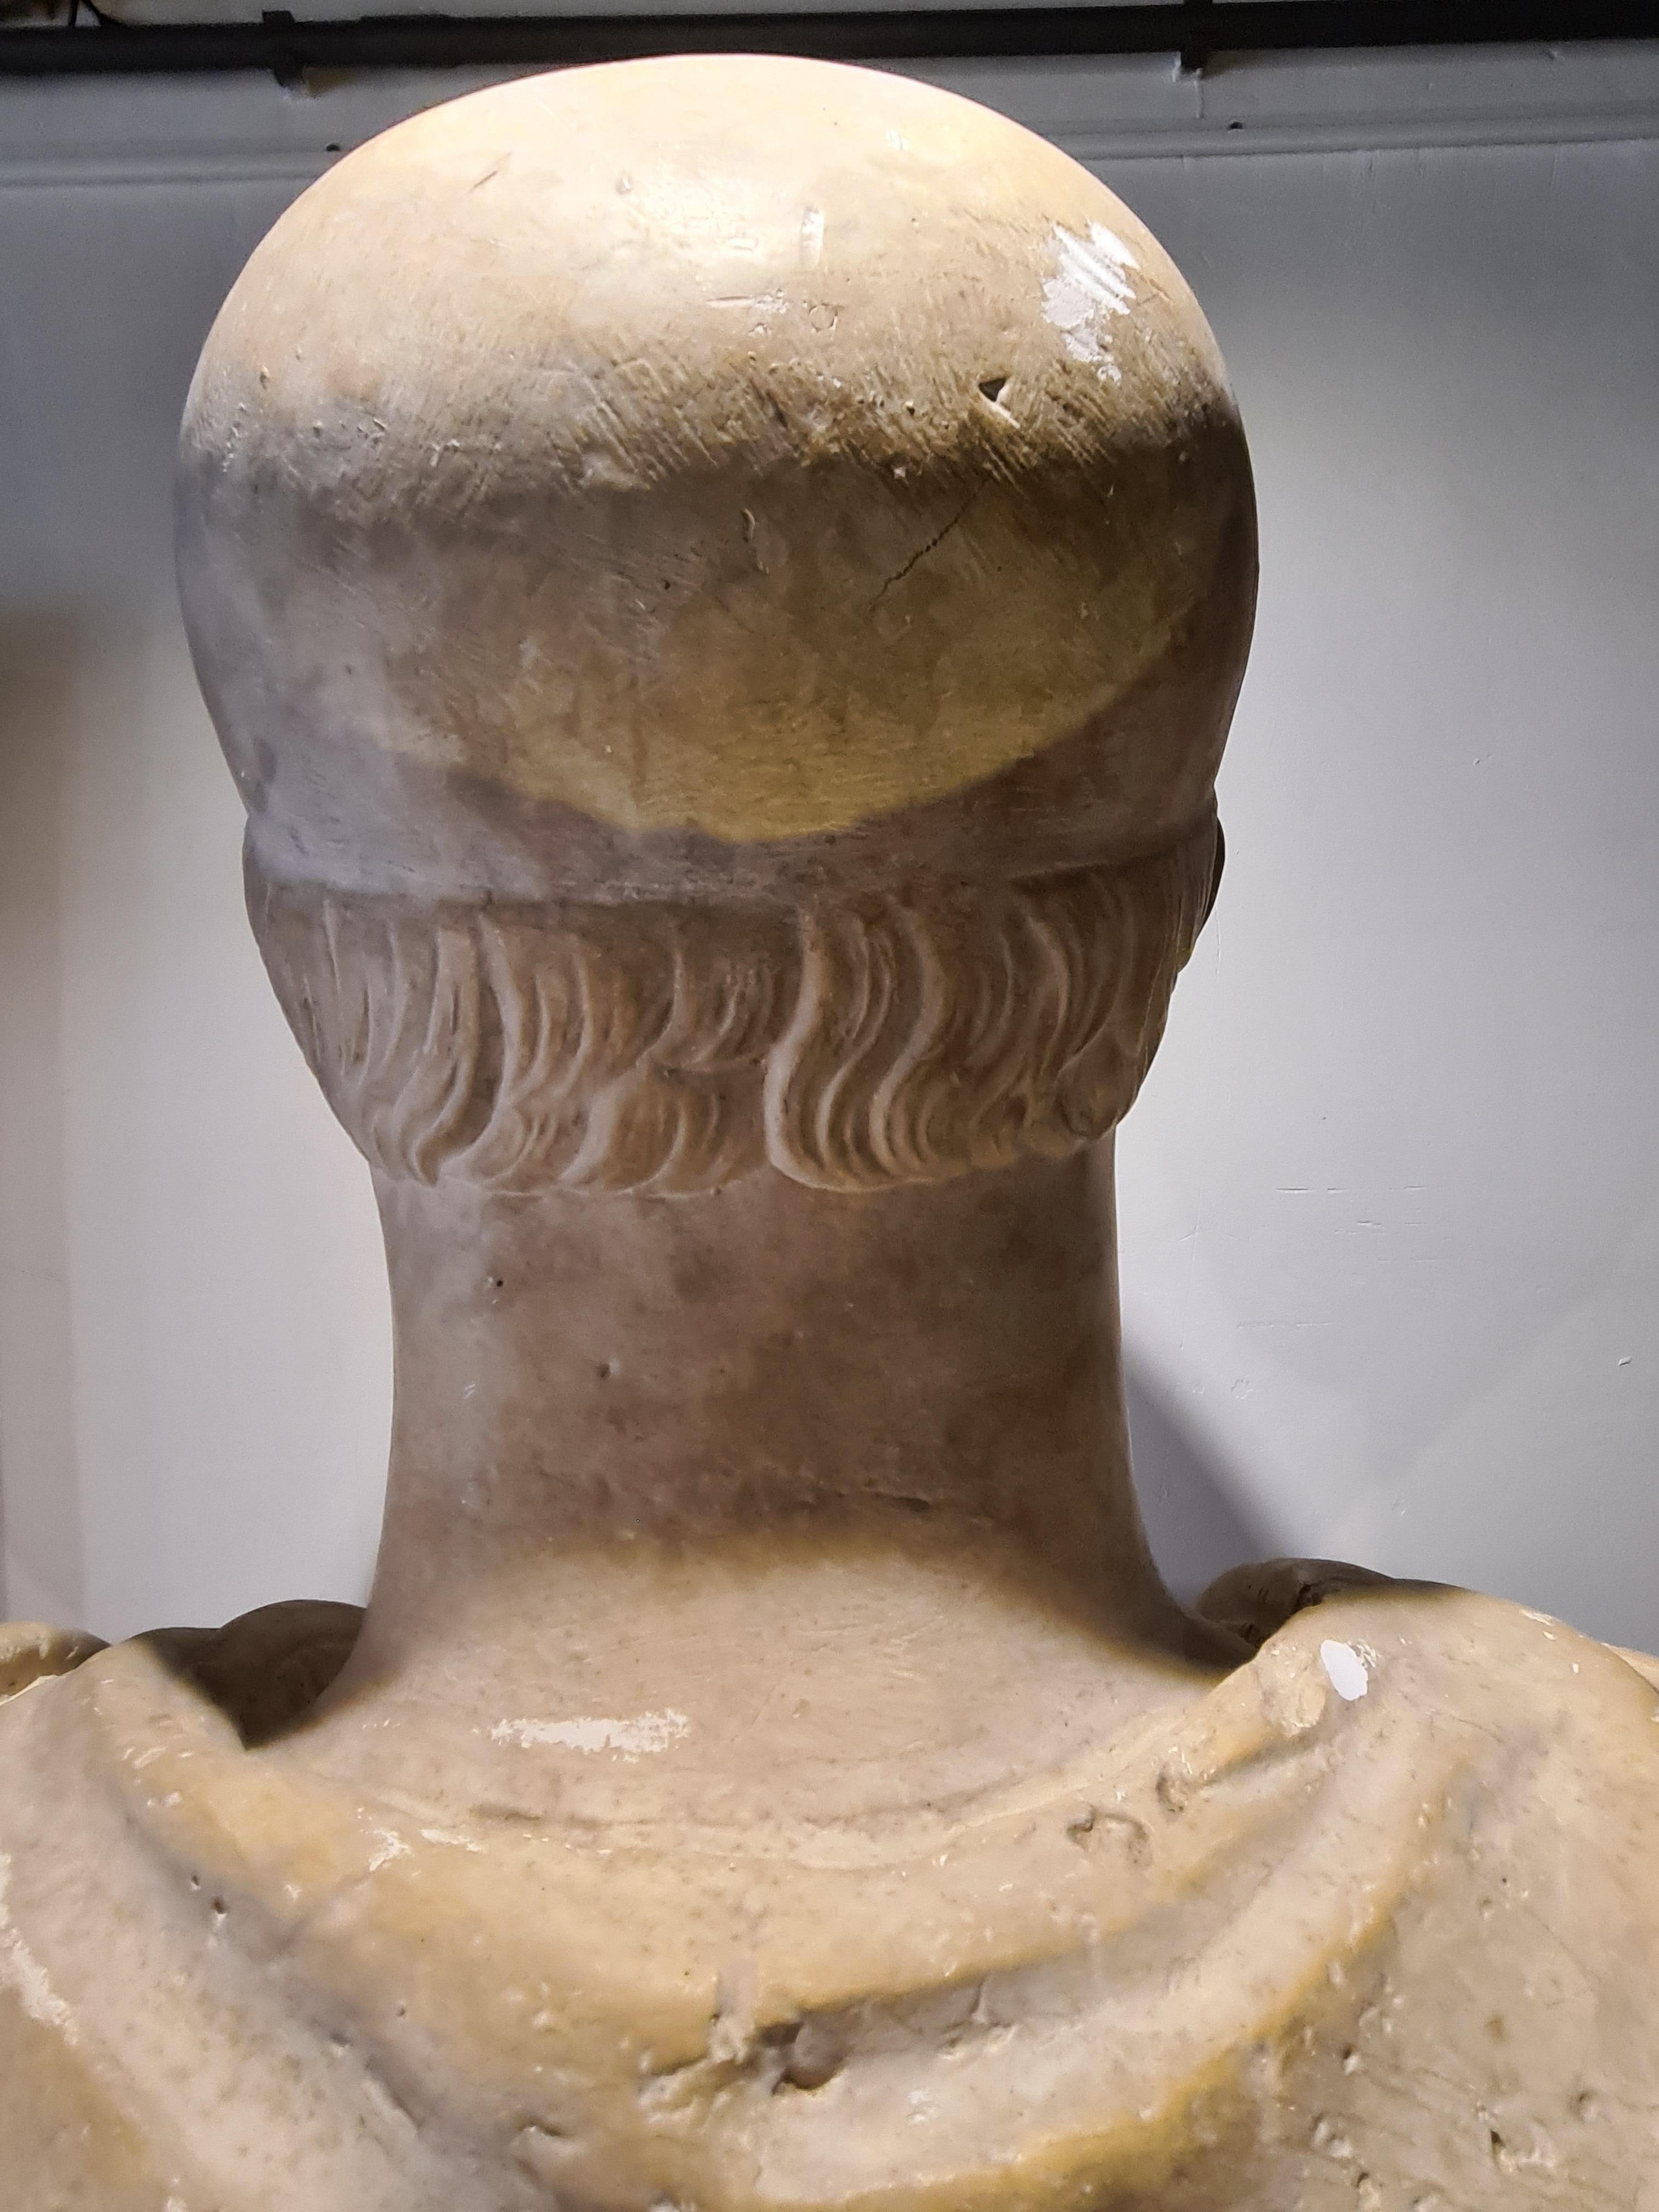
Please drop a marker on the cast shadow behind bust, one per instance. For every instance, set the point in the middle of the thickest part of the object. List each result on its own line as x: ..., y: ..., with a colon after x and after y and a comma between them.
x: 723, y: 583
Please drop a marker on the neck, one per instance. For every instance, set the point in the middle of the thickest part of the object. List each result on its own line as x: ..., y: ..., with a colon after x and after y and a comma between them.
x: 577, y: 1374
x: 642, y: 1444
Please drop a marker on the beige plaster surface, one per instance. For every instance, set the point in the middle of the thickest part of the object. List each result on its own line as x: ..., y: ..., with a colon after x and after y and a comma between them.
x: 769, y: 1771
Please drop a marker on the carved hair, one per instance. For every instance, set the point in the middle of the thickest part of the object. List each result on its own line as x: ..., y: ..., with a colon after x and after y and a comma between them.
x: 900, y: 1037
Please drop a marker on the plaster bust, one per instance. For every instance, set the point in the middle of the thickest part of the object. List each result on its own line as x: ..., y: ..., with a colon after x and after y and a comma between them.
x: 723, y: 584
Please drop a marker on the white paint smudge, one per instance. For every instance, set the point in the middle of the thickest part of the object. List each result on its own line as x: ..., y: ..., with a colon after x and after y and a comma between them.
x: 443, y: 1836
x: 22, y: 1971
x: 646, y: 1732
x: 811, y: 238
x: 1091, y: 286
x: 391, y: 1847
x: 1345, y: 1668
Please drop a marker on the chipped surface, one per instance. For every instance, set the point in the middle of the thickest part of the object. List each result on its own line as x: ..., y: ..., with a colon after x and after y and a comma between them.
x: 634, y: 1738
x: 1092, y: 286
x: 22, y: 1972
x: 1347, y: 1671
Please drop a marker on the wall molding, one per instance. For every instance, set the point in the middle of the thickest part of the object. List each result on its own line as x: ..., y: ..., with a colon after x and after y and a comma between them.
x: 241, y: 126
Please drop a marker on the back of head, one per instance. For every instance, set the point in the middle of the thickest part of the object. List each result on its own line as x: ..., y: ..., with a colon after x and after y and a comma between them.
x: 723, y: 583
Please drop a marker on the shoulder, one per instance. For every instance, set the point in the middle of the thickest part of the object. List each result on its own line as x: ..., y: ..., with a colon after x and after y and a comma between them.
x: 1258, y: 1602
x: 1523, y: 1744
x: 92, y: 1958
x: 1480, y: 1655
x: 31, y: 1652
x: 261, y: 1670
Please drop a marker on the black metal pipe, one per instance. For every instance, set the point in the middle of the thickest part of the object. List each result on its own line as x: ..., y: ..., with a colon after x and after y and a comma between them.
x: 1195, y: 32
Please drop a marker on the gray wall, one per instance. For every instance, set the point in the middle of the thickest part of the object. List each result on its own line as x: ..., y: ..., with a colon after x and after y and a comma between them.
x: 1391, y: 1209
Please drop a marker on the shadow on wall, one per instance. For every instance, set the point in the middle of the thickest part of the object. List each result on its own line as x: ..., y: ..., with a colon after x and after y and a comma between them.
x: 42, y: 1549
x: 1195, y: 1522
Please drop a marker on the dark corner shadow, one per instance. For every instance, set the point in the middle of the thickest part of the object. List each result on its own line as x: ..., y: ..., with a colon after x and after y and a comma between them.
x: 43, y: 648
x: 1196, y: 1521
x: 266, y: 1670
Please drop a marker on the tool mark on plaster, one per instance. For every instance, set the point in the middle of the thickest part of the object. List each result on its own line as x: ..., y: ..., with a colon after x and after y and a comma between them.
x: 389, y: 2118
x: 1084, y: 1828
x: 645, y: 1732
x: 543, y: 2151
